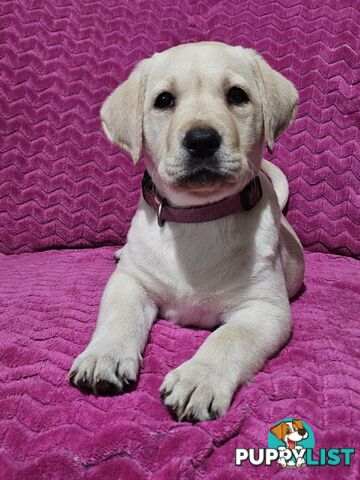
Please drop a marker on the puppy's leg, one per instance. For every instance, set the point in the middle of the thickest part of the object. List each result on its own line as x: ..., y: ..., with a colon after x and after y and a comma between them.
x: 113, y: 355
x: 202, y: 387
x: 292, y: 258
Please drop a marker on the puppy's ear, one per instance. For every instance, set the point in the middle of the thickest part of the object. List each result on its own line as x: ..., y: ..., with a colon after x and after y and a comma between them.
x: 122, y: 112
x: 279, y: 99
x: 278, y: 431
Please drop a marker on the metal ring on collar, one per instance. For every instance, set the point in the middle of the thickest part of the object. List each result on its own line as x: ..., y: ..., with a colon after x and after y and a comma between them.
x: 160, y: 220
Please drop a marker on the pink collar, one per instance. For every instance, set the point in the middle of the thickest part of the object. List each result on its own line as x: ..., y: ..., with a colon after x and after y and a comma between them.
x: 244, y: 200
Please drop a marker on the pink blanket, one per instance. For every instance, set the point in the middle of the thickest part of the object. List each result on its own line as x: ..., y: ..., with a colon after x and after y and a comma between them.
x: 63, y: 186
x: 49, y: 430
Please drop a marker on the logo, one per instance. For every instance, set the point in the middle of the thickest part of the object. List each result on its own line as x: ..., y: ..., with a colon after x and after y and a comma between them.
x: 291, y: 438
x: 291, y: 443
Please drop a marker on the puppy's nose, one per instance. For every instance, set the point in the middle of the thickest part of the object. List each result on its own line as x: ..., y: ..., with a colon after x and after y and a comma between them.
x: 202, y: 142
x: 302, y: 431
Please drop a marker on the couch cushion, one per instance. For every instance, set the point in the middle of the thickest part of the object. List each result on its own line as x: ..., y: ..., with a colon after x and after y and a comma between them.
x: 63, y: 184
x: 48, y: 429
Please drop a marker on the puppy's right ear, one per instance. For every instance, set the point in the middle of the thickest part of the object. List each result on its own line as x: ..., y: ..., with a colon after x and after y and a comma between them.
x: 278, y: 431
x: 122, y: 112
x: 279, y: 98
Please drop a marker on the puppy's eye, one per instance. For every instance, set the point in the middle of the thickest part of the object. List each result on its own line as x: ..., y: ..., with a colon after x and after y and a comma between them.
x: 236, y: 96
x: 164, y: 100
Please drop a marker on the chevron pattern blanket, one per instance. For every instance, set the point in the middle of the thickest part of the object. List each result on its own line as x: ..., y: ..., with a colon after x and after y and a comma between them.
x: 64, y: 190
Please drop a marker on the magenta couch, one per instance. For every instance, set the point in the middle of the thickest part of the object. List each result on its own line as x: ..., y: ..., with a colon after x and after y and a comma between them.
x: 67, y: 198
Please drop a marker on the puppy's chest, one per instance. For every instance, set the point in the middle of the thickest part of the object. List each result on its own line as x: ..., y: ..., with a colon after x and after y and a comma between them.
x: 192, y: 272
x: 189, y: 311
x: 189, y: 280
x: 186, y: 290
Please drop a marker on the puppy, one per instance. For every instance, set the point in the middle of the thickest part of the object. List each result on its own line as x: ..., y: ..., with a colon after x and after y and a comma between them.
x: 227, y: 257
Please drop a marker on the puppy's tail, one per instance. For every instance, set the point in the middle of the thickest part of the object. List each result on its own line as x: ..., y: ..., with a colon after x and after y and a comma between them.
x: 278, y: 180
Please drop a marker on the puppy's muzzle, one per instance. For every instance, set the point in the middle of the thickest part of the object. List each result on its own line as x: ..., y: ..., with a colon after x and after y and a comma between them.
x: 202, y: 165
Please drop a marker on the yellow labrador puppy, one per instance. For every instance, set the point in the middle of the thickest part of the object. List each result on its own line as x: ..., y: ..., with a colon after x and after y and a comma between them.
x: 208, y: 245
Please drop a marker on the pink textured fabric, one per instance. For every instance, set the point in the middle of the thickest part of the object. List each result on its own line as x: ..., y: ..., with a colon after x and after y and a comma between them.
x: 49, y: 430
x: 62, y: 184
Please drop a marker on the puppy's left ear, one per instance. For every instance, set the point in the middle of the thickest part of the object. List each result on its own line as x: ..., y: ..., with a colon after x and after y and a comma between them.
x: 279, y: 99
x: 122, y: 112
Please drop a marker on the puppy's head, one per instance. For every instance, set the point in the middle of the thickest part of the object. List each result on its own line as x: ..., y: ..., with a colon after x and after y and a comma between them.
x: 202, y: 111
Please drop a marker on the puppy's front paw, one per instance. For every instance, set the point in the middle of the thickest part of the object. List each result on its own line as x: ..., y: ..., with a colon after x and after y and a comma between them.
x: 100, y: 371
x: 196, y: 391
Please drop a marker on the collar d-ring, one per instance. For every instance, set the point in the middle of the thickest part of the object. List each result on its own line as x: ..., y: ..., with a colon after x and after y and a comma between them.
x: 159, y: 201
x: 160, y: 220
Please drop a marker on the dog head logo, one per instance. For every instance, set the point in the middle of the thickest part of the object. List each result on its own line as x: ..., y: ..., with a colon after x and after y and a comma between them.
x: 291, y: 437
x: 290, y: 432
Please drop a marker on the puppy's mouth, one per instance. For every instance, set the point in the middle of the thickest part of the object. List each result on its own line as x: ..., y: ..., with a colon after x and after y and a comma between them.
x: 202, y: 179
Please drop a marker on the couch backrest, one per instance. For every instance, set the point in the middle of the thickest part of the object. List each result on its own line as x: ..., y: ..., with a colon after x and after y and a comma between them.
x: 61, y: 182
